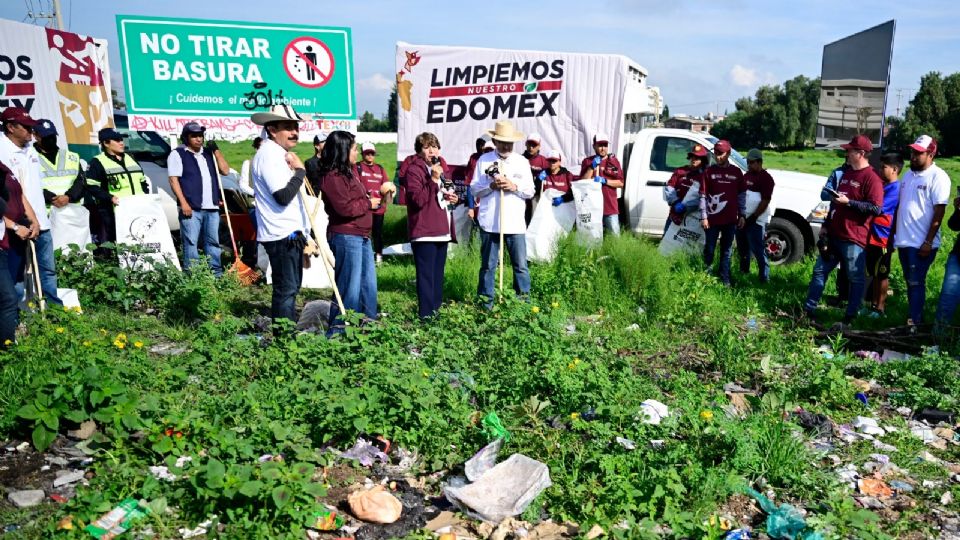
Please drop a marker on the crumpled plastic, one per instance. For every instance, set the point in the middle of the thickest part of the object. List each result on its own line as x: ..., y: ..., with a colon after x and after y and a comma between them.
x: 494, y: 428
x: 375, y: 505
x: 653, y: 411
x: 783, y: 521
x: 366, y: 453
x: 503, y: 491
x: 482, y: 461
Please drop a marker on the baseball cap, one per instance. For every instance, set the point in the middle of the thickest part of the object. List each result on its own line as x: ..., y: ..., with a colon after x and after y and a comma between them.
x: 697, y: 151
x: 722, y: 147
x: 192, y: 127
x: 368, y: 147
x: 110, y: 134
x: 925, y: 143
x: 317, y: 139
x: 754, y: 155
x: 18, y: 115
x: 601, y: 138
x: 534, y: 138
x: 859, y: 142
x: 554, y: 155
x: 45, y: 128
x: 489, y: 145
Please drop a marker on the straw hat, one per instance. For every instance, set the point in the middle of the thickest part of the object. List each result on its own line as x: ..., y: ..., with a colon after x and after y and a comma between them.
x: 277, y: 113
x: 505, y: 132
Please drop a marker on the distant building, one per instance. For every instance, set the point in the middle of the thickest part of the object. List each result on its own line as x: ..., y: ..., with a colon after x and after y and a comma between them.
x: 692, y: 123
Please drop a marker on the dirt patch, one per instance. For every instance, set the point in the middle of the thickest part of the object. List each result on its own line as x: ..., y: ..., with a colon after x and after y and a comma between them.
x: 21, y: 469
x: 663, y: 364
x: 743, y: 510
x: 340, y: 478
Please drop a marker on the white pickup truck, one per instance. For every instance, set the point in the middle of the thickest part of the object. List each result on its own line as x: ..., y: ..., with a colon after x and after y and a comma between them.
x: 651, y: 155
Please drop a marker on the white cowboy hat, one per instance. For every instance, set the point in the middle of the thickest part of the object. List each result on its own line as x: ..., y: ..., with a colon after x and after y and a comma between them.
x: 277, y: 113
x: 505, y: 132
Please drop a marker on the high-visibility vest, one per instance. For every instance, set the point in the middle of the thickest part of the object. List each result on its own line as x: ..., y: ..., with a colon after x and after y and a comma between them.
x: 59, y: 177
x: 125, y: 180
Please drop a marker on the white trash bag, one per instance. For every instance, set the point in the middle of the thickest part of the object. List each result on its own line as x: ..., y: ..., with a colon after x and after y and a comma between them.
x: 503, y: 491
x: 588, y: 196
x: 70, y: 225
x: 549, y: 224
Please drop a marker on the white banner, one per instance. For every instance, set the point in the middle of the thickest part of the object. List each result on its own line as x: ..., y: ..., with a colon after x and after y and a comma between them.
x: 231, y: 129
x: 458, y: 93
x: 60, y: 76
x: 142, y: 222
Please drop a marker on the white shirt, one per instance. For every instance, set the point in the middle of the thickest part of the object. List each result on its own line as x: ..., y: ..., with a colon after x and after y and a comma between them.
x: 919, y: 193
x: 270, y: 173
x: 25, y: 165
x: 517, y: 169
x: 175, y: 168
x: 244, y: 182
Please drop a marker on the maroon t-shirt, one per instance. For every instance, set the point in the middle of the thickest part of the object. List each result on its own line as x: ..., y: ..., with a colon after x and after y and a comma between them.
x: 846, y: 223
x: 761, y: 182
x: 560, y: 181
x: 611, y: 170
x: 681, y: 181
x: 15, y: 210
x: 537, y: 163
x: 373, y: 176
x: 722, y: 185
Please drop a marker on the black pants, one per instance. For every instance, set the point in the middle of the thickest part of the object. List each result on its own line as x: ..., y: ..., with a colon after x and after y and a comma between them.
x: 9, y: 304
x: 286, y: 264
x: 429, y: 259
x: 377, y: 234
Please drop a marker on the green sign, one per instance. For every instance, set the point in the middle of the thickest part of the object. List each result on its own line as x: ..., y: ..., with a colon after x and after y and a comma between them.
x: 223, y: 68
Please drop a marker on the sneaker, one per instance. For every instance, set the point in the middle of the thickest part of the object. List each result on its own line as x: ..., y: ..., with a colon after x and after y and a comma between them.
x: 379, y: 259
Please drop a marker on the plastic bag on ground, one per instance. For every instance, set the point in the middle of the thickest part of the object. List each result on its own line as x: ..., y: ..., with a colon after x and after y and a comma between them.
x: 504, y: 491
x: 375, y: 505
x: 653, y: 411
x: 482, y: 461
x: 366, y: 453
x: 783, y: 521
x: 549, y: 224
x: 688, y: 237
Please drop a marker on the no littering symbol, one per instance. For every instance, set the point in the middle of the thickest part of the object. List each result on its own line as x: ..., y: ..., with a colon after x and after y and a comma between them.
x: 308, y: 62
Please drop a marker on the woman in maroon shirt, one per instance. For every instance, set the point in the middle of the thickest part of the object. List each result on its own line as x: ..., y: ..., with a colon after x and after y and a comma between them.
x: 430, y: 198
x: 349, y: 208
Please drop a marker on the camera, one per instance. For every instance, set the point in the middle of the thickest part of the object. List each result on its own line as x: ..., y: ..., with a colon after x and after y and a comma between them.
x: 493, y: 170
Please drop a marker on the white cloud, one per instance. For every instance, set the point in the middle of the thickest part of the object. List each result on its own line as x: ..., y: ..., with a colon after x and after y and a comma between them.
x: 375, y: 82
x: 750, y: 77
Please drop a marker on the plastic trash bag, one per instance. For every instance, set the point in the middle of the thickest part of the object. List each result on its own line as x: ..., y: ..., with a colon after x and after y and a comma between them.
x: 688, y: 237
x: 504, y: 491
x: 482, y: 461
x: 70, y: 225
x: 366, y: 453
x: 588, y: 197
x: 549, y: 224
x: 783, y: 521
x: 375, y: 505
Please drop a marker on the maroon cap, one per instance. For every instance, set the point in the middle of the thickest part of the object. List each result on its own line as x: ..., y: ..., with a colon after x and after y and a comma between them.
x: 860, y: 142
x: 722, y: 147
x: 697, y: 151
x: 925, y: 143
x: 18, y: 115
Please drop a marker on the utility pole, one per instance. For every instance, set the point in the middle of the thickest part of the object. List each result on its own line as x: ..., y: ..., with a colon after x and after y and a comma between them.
x: 59, y: 14
x: 899, y: 95
x: 55, y: 15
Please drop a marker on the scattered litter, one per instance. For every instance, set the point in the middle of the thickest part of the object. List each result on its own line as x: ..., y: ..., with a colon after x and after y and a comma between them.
x: 169, y: 349
x: 482, y: 461
x: 922, y: 432
x: 871, y: 503
x: 314, y: 316
x: 116, y: 521
x: 595, y: 532
x: 737, y: 534
x: 494, y: 427
x: 375, y: 505
x: 366, y: 453
x: 904, y: 411
x: 570, y: 329
x: 784, y: 521
x: 406, y: 461
x: 633, y: 327
x: 868, y: 426
x: 884, y: 447
x: 900, y: 485
x: 946, y: 498
x: 932, y: 484
x: 67, y: 477
x: 825, y: 351
x: 893, y: 356
x: 734, y: 388
x: 934, y: 416
x: 327, y: 519
x: 162, y: 473
x: 818, y: 425
x: 869, y: 355
x: 626, y: 443
x: 883, y: 459
x: 65, y: 524
x: 653, y: 411
x: 874, y: 487
x: 26, y: 498
x: 657, y: 443
x: 84, y: 432
x: 23, y: 447
x: 505, y: 490
x: 862, y: 398
x: 200, y: 530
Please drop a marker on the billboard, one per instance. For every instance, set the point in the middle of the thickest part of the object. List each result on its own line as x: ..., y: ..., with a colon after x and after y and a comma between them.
x: 60, y: 76
x: 218, y: 73
x: 853, y: 86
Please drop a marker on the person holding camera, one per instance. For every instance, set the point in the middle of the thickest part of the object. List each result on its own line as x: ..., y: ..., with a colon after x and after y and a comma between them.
x: 282, y: 223
x: 502, y: 184
x: 430, y: 199
x: 193, y: 170
x: 349, y: 207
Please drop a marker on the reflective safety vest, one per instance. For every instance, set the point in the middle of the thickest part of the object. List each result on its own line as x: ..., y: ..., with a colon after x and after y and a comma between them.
x: 59, y: 177
x: 125, y: 180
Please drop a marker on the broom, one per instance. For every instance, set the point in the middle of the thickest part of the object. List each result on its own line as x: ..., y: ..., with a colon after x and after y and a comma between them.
x: 313, y: 228
x: 246, y: 275
x: 36, y: 277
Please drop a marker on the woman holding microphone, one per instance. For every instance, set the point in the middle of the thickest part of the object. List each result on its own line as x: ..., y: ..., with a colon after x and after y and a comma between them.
x: 430, y: 199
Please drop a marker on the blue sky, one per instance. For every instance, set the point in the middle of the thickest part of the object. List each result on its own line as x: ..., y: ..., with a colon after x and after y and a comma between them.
x: 703, y: 55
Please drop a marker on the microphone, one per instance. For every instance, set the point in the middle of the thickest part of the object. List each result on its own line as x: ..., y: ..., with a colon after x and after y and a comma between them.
x: 447, y: 185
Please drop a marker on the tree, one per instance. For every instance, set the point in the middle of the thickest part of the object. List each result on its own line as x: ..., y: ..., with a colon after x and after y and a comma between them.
x: 666, y: 112
x: 392, y: 110
x: 117, y: 103
x: 369, y: 122
x: 779, y: 116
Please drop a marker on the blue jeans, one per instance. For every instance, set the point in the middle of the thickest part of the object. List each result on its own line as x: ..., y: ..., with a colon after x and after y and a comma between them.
x: 726, y: 234
x: 612, y: 223
x: 490, y: 259
x: 429, y: 259
x: 950, y: 292
x: 854, y: 259
x: 9, y: 304
x: 356, y: 276
x: 915, y: 270
x: 48, y: 269
x: 750, y: 244
x: 206, y: 222
x: 286, y: 269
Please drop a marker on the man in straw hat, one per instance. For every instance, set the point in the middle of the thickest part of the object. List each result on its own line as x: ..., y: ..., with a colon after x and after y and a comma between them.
x: 502, y: 184
x: 282, y: 222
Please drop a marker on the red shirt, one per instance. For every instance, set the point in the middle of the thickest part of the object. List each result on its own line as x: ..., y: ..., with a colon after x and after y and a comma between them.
x: 373, y: 176
x: 15, y: 210
x: 846, y: 223
x: 611, y: 170
x: 761, y: 182
x: 722, y: 185
x: 471, y: 165
x: 345, y: 202
x: 537, y: 163
x: 560, y: 181
x: 681, y: 181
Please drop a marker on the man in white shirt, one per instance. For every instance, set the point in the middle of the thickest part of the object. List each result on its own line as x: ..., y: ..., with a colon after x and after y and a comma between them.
x: 17, y: 153
x: 195, y: 181
x: 510, y: 186
x: 924, y: 195
x: 282, y: 222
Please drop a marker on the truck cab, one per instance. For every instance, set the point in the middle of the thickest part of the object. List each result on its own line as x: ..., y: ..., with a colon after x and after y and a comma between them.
x: 653, y: 154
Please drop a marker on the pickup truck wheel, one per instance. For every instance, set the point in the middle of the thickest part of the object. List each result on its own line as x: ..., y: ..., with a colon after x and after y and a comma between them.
x: 784, y: 242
